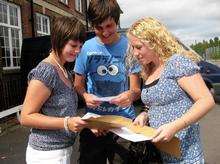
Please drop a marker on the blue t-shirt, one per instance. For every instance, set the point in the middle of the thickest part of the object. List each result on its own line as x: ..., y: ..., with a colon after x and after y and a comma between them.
x: 105, y: 72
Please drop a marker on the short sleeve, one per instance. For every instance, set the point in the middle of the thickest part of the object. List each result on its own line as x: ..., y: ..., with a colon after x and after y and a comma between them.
x: 80, y: 63
x: 45, y: 73
x: 134, y: 69
x: 179, y: 66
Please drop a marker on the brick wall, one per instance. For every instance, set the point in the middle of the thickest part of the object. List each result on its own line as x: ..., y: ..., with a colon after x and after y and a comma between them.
x: 25, y: 7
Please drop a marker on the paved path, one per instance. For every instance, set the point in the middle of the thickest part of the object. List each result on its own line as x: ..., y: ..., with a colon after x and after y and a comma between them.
x: 13, y: 144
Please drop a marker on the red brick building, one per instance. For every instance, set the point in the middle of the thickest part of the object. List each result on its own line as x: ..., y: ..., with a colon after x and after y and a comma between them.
x: 21, y: 19
x: 30, y: 18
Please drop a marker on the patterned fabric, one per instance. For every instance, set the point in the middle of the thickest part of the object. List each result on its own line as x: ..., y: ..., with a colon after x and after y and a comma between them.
x: 105, y: 72
x: 167, y: 101
x: 62, y: 102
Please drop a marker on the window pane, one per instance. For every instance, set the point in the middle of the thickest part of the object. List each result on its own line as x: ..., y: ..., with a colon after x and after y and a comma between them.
x: 7, y: 9
x: 18, y: 53
x: 38, y: 23
x: 17, y: 43
x: 3, y: 62
x: 18, y: 61
x: 7, y: 52
x: 42, y: 25
x: 14, y: 34
x: 6, y: 42
x: 3, y: 52
x: 14, y: 52
x: 13, y: 16
x: 1, y: 30
x: 3, y: 13
x: 8, y: 62
x: 15, y: 62
x: 2, y: 43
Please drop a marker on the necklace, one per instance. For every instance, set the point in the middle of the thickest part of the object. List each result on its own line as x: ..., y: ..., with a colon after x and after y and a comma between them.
x: 61, y: 68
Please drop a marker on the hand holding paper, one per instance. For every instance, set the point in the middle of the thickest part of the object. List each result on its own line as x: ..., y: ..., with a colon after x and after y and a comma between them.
x: 123, y: 100
x: 91, y: 100
x: 105, y: 99
x: 126, y: 129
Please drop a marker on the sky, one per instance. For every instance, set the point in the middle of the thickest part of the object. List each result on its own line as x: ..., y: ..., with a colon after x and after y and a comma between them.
x: 192, y: 21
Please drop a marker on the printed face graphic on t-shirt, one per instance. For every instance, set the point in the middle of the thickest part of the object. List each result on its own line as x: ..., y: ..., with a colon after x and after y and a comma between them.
x: 107, y: 75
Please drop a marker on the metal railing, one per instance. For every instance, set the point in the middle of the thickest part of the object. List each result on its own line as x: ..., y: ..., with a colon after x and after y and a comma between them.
x: 11, y: 88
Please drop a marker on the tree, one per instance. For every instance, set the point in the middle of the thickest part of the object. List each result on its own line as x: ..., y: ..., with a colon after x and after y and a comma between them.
x: 216, y: 41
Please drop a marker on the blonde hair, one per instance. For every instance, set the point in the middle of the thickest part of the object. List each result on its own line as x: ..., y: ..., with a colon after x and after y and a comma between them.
x: 151, y: 31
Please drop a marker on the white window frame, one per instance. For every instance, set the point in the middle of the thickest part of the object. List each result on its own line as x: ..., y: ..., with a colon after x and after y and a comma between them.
x: 87, y: 4
x: 78, y: 6
x: 10, y: 28
x: 41, y: 32
x: 64, y: 1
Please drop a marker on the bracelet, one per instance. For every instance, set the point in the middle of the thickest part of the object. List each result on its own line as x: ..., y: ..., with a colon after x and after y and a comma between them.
x: 185, y: 123
x: 132, y: 94
x: 65, y: 123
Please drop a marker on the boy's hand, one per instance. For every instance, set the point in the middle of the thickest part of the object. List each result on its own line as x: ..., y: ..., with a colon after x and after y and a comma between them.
x: 91, y: 100
x: 124, y: 99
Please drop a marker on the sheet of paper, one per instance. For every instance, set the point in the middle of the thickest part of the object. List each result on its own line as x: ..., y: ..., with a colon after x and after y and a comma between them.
x: 105, y: 98
x: 129, y: 135
x: 89, y: 115
x: 123, y: 132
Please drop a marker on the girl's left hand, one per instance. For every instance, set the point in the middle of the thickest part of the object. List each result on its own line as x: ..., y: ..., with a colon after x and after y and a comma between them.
x: 76, y: 124
x: 141, y: 119
x: 165, y: 133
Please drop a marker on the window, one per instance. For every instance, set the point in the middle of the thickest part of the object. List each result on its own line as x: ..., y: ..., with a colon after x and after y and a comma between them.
x: 43, y: 25
x: 64, y: 1
x: 78, y: 5
x: 10, y: 35
x: 88, y: 3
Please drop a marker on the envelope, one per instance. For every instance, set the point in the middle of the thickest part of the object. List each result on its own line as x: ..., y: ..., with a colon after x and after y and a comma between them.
x: 107, y: 122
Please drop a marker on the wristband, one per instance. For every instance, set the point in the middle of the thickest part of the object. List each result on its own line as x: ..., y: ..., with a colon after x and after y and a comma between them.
x: 185, y: 123
x: 65, y: 123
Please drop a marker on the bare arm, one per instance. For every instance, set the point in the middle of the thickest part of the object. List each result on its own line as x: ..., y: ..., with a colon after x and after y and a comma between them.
x: 196, y: 88
x: 135, y: 86
x: 90, y: 99
x: 203, y: 99
x: 37, y: 94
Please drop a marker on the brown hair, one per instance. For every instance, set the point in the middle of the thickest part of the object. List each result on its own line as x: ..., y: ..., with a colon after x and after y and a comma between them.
x: 65, y: 29
x: 100, y: 10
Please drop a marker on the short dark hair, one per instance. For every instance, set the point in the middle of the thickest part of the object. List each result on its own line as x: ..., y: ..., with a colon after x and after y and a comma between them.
x: 100, y: 10
x: 65, y: 29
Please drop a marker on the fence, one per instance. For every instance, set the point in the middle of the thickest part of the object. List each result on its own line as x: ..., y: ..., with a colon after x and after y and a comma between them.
x: 11, y: 91
x: 212, y: 53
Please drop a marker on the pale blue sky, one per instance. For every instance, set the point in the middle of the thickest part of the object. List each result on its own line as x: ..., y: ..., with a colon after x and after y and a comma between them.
x: 189, y: 20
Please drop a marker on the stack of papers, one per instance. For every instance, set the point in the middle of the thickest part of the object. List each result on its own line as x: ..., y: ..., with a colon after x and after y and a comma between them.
x: 124, y: 128
x: 115, y: 124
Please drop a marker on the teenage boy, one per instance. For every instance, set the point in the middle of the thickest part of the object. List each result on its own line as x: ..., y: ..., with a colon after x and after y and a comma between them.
x: 100, y: 72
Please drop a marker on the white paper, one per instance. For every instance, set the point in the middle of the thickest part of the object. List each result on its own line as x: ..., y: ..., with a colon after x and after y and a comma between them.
x: 105, y: 98
x: 123, y: 132
x: 127, y: 134
x: 89, y: 115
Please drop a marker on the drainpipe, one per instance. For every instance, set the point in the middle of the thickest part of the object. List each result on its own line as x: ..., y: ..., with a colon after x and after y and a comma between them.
x: 32, y: 19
